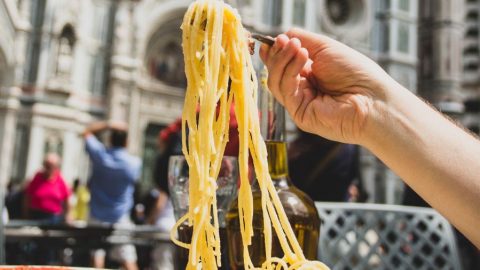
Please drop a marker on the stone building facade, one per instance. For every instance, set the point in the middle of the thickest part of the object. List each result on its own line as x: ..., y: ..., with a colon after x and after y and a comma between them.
x: 65, y: 63
x: 471, y: 65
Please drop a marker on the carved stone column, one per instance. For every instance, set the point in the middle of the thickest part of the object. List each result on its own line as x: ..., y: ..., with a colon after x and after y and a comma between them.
x: 440, y: 53
x: 9, y: 104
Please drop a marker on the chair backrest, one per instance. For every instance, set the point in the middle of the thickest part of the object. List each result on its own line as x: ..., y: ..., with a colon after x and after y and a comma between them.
x: 370, y: 236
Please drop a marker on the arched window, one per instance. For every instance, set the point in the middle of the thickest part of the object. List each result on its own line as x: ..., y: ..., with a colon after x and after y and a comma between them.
x: 66, y: 44
x: 471, y: 50
x: 472, y: 66
x: 299, y: 10
x: 53, y: 142
x: 472, y: 15
x: 164, y: 56
x: 339, y: 11
x: 166, y: 64
x: 472, y: 32
x: 272, y: 10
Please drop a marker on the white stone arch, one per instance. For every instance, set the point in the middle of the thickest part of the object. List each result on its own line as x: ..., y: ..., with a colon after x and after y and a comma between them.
x: 354, y: 28
x: 159, y: 15
x: 64, y: 52
x: 58, y: 14
x: 151, y: 19
x: 61, y: 13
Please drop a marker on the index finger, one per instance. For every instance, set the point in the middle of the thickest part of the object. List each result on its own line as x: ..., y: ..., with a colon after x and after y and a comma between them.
x: 264, y: 51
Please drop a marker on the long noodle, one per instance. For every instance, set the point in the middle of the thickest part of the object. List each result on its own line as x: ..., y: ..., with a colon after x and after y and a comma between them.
x: 216, y: 50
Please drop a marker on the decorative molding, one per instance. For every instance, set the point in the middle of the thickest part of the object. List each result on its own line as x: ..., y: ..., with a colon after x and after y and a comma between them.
x: 356, y: 27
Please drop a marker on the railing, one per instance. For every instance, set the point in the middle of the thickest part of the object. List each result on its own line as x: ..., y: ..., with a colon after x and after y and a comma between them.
x: 373, y: 236
x: 28, y: 242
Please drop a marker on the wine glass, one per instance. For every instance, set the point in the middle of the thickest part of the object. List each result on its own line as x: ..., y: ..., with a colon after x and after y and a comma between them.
x: 178, y: 183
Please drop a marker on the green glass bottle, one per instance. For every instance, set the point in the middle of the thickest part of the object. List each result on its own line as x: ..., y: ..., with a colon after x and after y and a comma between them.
x: 300, y: 209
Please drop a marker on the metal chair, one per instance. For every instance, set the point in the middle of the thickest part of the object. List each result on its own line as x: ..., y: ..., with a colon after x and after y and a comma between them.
x: 370, y: 236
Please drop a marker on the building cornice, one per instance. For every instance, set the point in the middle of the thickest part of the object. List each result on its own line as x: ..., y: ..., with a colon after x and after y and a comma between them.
x: 9, y: 98
x: 56, y: 112
x: 150, y: 85
x: 384, y: 58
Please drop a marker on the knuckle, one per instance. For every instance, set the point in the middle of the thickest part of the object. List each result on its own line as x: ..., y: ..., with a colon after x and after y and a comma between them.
x: 270, y: 83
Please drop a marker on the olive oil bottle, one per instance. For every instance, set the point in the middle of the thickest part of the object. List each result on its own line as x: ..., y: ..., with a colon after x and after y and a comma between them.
x: 300, y: 209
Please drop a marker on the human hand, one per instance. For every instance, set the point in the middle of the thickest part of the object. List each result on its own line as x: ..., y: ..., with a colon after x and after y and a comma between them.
x: 118, y: 125
x: 69, y: 219
x: 328, y: 88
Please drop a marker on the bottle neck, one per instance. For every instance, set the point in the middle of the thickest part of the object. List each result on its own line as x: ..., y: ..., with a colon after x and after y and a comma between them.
x: 272, y: 123
x: 277, y: 159
x: 272, y: 113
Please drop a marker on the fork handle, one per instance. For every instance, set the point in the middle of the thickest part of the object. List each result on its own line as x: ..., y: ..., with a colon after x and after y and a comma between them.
x: 264, y: 39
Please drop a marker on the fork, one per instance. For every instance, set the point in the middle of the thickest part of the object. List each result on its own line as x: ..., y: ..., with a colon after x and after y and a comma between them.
x: 264, y: 39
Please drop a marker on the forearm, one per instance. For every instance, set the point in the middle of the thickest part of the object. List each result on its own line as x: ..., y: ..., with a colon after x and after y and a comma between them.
x: 431, y: 154
x: 95, y: 128
x: 68, y: 210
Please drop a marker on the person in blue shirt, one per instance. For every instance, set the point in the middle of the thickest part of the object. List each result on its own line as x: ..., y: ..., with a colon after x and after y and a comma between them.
x: 114, y: 173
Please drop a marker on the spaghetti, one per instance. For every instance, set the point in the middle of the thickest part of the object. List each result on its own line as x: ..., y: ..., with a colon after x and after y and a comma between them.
x: 216, y: 51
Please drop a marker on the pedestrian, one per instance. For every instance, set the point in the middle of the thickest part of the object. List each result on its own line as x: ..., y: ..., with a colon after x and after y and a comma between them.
x: 111, y: 184
x: 46, y: 196
x: 158, y: 205
x: 79, y: 201
x: 323, y: 169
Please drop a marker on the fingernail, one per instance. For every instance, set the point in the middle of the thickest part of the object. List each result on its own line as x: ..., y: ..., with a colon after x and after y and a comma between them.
x: 305, y: 51
x: 296, y: 42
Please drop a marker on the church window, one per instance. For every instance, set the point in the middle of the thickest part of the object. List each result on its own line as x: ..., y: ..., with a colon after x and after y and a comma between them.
x: 273, y: 12
x: 299, y: 12
x: 166, y: 64
x: 472, y: 32
x: 403, y: 38
x: 472, y: 15
x: 66, y: 45
x: 20, y: 153
x: 164, y: 57
x: 37, y: 11
x: 53, y: 142
x: 404, y: 5
x: 471, y: 50
x: 472, y: 66
x: 338, y: 11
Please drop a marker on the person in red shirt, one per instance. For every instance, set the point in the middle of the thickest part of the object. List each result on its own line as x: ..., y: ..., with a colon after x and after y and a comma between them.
x: 47, y: 193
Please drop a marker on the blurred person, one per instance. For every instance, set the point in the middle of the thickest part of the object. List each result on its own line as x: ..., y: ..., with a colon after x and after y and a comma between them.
x: 336, y: 92
x: 322, y: 168
x: 79, y: 201
x: 158, y: 205
x: 112, y: 183
x: 169, y: 143
x: 14, y: 200
x: 5, y: 216
x: 356, y: 192
x: 159, y: 211
x: 46, y: 196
